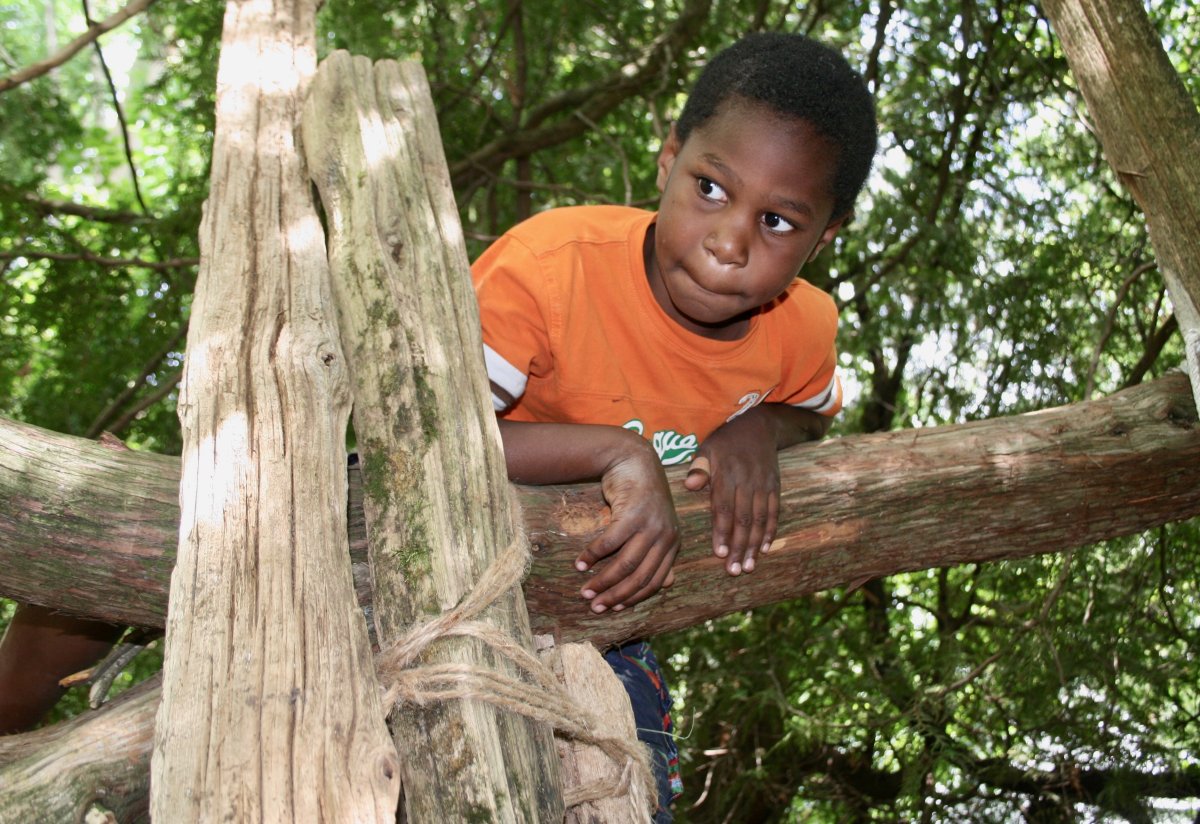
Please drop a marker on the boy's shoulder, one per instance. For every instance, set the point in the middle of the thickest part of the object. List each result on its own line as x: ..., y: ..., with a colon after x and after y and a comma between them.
x: 804, y: 306
x: 580, y: 224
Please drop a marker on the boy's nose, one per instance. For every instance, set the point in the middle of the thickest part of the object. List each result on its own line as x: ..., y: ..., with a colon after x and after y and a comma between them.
x: 727, y: 242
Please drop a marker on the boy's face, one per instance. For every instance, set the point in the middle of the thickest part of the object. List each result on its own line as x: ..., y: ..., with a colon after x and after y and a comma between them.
x: 745, y: 203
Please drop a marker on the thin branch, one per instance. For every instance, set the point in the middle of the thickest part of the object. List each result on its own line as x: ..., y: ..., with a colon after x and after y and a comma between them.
x: 607, y: 138
x: 120, y: 424
x: 1154, y: 347
x: 1110, y: 322
x: 116, y: 100
x: 871, y: 75
x: 594, y: 102
x: 151, y: 366
x: 942, y: 692
x: 100, y: 215
x: 71, y: 49
x: 100, y: 260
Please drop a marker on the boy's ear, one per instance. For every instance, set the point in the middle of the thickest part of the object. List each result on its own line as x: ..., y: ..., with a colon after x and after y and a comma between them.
x: 666, y: 158
x: 827, y: 236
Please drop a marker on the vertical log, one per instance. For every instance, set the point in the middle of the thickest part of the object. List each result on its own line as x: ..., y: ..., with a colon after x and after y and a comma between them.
x: 436, y: 494
x: 591, y: 682
x: 270, y: 706
x: 1150, y: 130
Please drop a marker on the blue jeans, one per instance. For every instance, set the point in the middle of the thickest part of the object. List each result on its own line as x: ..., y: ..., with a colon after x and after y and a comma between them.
x: 634, y: 663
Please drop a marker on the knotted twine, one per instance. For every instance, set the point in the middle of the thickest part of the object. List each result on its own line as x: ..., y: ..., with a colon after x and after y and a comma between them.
x: 539, y: 696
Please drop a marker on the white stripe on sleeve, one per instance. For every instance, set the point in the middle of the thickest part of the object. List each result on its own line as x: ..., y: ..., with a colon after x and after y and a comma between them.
x: 502, y: 373
x: 826, y: 400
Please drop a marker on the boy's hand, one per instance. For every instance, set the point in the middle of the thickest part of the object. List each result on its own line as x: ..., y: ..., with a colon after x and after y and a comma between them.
x: 644, y: 534
x: 739, y: 462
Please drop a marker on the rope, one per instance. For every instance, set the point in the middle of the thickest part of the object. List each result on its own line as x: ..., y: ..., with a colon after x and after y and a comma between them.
x: 539, y: 696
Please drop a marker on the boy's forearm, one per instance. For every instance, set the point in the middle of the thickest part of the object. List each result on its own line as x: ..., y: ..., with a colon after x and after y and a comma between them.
x: 550, y: 453
x: 792, y: 425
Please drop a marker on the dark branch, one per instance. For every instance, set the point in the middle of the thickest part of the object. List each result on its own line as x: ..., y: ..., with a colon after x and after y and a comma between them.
x: 1154, y: 348
x: 103, y: 420
x: 592, y: 102
x: 71, y: 49
x: 116, y: 101
x: 100, y: 260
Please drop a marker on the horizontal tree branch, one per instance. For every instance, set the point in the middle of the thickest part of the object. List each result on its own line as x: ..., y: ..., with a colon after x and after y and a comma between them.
x: 101, y: 260
x: 44, y: 206
x: 92, y: 531
x: 71, y: 49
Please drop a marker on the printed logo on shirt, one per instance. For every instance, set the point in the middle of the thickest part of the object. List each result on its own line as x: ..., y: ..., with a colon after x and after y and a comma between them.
x: 672, y: 447
x: 749, y: 401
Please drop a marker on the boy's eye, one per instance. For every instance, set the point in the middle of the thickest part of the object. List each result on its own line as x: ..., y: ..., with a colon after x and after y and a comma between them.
x: 778, y: 224
x: 711, y: 190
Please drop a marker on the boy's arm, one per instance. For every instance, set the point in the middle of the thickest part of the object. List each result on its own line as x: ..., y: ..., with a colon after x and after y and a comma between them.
x: 644, y: 530
x: 740, y: 462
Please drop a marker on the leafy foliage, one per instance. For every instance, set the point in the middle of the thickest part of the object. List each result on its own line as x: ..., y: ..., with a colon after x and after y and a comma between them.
x: 994, y: 266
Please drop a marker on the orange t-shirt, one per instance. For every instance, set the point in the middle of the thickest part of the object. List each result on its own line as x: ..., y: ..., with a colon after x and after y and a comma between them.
x: 573, y: 333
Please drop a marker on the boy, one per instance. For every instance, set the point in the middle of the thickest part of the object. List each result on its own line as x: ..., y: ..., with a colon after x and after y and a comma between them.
x: 618, y: 341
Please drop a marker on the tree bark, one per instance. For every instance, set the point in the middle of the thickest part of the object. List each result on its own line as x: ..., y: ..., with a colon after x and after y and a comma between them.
x: 1149, y: 128
x: 851, y: 508
x: 592, y: 684
x: 95, y: 759
x: 438, y: 505
x: 270, y: 707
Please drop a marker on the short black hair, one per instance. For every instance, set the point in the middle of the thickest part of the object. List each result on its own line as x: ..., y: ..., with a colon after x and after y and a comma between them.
x: 798, y: 77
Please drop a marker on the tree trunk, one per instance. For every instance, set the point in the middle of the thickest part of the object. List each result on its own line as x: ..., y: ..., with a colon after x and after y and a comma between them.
x: 438, y: 505
x: 95, y: 759
x: 851, y: 508
x: 270, y: 707
x: 1150, y: 130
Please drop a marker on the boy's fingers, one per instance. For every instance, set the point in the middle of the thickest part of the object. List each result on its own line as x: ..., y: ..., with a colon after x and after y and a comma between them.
x: 609, y: 541
x: 622, y: 565
x: 765, y: 519
x: 658, y: 581
x: 636, y: 578
x: 760, y: 518
x: 722, y: 520
x: 699, y: 474
x: 743, y: 526
x: 772, y: 522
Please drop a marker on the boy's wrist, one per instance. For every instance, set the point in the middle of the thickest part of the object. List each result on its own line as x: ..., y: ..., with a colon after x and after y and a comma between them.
x: 628, y: 445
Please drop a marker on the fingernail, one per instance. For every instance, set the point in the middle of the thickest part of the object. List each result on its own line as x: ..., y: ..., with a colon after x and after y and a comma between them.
x: 766, y: 547
x: 597, y: 608
x: 589, y: 594
x: 735, y: 569
x: 581, y: 566
x: 749, y: 565
x: 722, y: 551
x: 618, y: 607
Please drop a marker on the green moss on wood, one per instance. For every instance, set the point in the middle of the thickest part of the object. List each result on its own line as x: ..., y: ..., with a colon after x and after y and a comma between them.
x: 426, y: 397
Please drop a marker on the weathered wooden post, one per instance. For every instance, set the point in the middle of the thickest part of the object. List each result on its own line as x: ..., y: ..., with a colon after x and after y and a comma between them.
x: 270, y: 708
x: 438, y: 504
